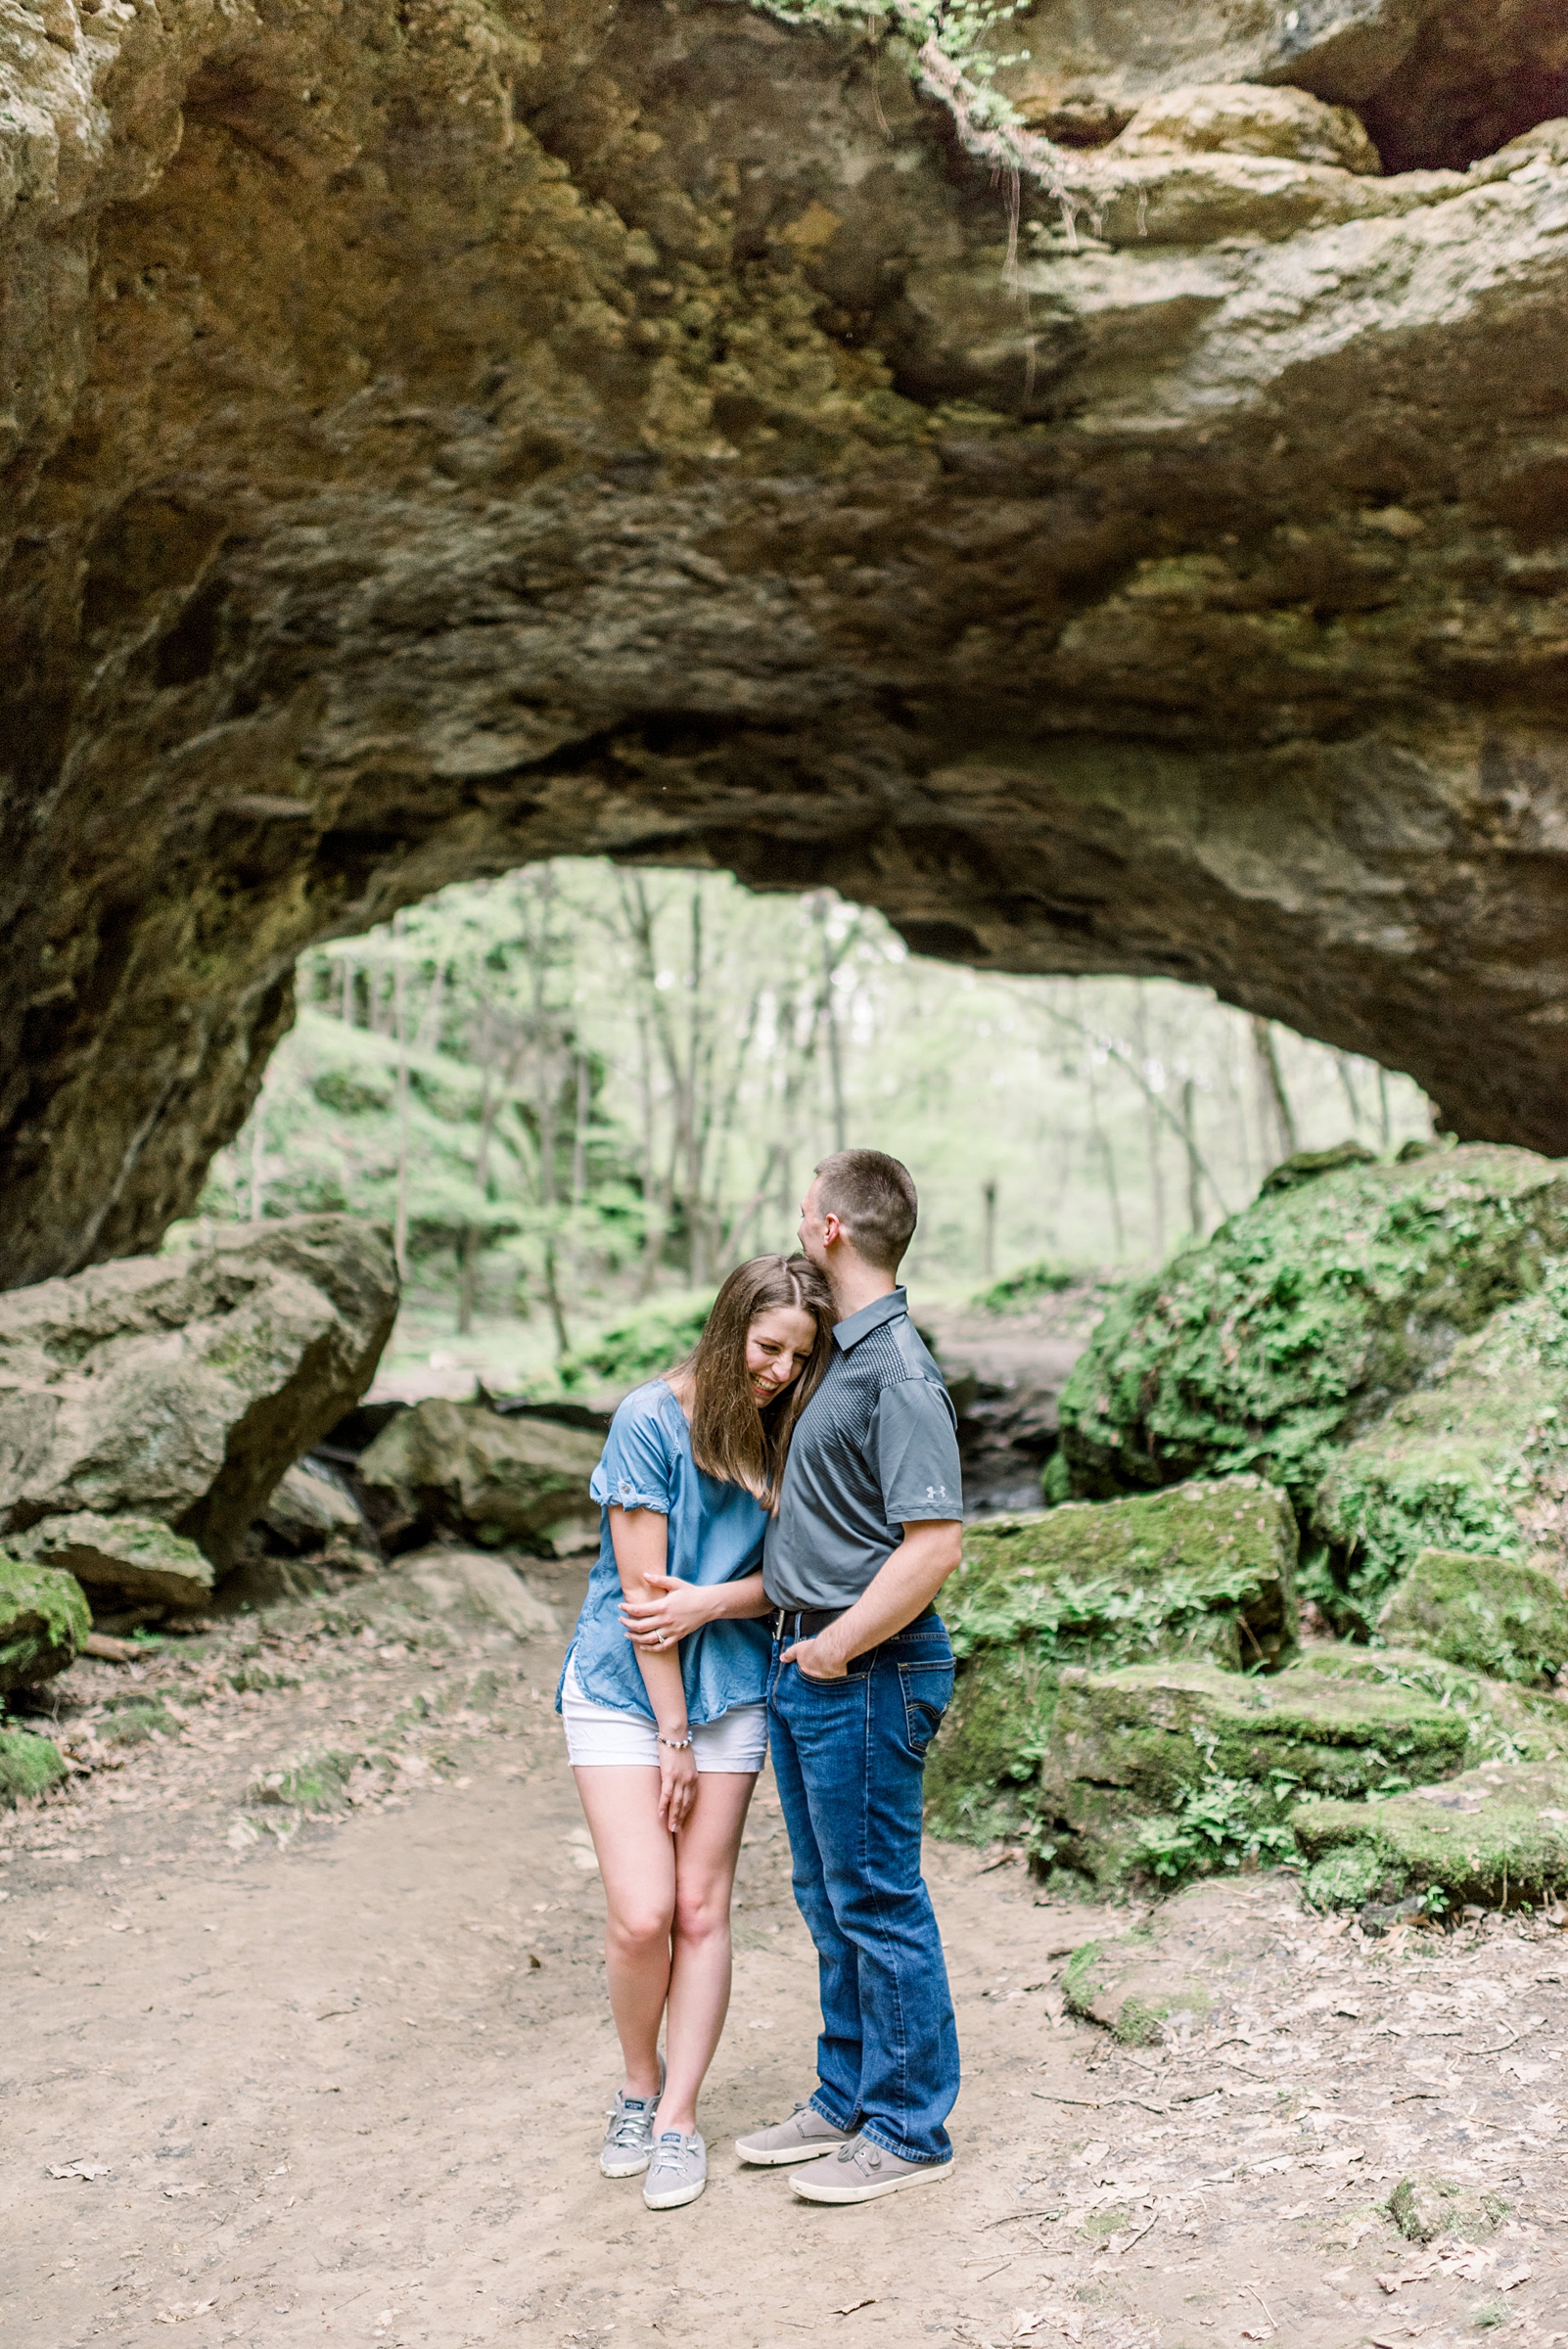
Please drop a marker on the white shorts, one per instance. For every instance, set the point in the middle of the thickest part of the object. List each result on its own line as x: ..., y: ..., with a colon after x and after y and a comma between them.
x: 597, y: 1736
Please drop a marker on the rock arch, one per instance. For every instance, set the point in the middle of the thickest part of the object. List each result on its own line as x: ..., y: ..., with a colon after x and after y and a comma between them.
x: 444, y: 435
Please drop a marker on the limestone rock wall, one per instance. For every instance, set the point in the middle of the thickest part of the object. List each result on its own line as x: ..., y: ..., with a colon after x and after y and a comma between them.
x: 444, y: 435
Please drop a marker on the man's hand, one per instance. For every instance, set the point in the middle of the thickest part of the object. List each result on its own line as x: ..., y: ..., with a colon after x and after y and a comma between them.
x: 816, y: 1658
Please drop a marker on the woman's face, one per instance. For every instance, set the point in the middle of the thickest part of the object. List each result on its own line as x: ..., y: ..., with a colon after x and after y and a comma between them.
x: 778, y: 1347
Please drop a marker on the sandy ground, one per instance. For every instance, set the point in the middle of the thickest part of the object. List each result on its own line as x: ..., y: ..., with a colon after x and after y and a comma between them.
x: 341, y: 2078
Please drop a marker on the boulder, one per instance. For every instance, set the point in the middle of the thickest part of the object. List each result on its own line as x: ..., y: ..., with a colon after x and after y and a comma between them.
x: 1475, y: 1459
x: 1496, y: 1615
x: 43, y: 1623
x: 1239, y: 117
x: 1205, y: 1571
x: 180, y: 1387
x: 1497, y: 1836
x: 493, y: 1479
x: 28, y: 1766
x: 308, y: 1508
x: 138, y: 1557
x: 1302, y: 1321
x: 1164, y: 1771
x: 485, y: 1586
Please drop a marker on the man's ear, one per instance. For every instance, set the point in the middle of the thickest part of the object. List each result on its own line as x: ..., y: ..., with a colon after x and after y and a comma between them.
x: 831, y: 1229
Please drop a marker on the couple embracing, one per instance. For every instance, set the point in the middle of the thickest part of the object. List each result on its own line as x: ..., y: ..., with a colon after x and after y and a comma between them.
x: 778, y: 1515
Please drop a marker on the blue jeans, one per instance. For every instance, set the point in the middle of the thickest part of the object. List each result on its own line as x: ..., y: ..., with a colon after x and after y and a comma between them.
x: 850, y: 1760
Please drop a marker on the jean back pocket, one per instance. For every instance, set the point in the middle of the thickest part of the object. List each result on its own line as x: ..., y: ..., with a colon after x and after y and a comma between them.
x: 927, y: 1694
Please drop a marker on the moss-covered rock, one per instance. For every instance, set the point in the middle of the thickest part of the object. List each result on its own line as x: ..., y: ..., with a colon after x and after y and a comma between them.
x: 1294, y: 1330
x: 1426, y: 2206
x: 1497, y: 1836
x: 136, y: 1557
x: 1131, y: 1988
x: 28, y: 1766
x: 1164, y: 1771
x: 1202, y: 1571
x: 1503, y: 1723
x: 43, y: 1621
x: 1476, y: 1460
x: 1496, y: 1615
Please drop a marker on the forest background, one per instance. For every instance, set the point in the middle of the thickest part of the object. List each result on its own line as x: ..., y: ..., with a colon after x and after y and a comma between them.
x: 580, y: 1093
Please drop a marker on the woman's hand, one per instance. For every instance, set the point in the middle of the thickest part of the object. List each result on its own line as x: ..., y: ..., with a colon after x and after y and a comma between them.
x: 677, y: 1785
x: 671, y: 1611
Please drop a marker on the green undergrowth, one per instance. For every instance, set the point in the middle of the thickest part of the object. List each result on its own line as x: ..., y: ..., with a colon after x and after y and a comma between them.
x: 1496, y: 1836
x: 654, y: 1339
x: 1218, y: 1826
x: 1020, y: 1290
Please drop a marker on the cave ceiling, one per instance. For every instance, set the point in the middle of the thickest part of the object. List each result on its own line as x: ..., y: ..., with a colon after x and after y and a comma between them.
x: 439, y: 436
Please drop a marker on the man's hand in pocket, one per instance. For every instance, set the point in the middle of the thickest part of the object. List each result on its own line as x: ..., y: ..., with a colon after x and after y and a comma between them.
x: 814, y: 1661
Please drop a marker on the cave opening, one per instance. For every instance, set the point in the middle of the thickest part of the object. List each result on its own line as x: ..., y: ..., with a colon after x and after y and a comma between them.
x: 581, y: 1091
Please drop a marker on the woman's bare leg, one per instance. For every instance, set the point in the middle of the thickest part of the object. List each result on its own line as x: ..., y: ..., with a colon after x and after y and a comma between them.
x: 637, y: 1861
x: 706, y: 1850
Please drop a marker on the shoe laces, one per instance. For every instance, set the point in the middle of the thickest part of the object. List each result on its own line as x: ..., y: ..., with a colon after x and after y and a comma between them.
x: 628, y: 2123
x: 671, y: 2150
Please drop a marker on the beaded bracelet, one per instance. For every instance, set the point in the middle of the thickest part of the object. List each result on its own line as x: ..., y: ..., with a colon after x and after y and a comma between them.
x: 679, y: 1745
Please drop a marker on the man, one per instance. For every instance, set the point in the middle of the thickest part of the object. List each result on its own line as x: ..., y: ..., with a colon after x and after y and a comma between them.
x: 866, y: 1533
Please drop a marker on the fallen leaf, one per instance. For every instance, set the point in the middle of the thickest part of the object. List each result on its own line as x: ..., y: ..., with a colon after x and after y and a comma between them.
x: 849, y: 2307
x: 83, y: 2169
x: 1515, y: 2277
x: 172, y: 2193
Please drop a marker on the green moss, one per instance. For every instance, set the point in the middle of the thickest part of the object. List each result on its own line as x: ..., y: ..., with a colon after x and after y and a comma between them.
x: 135, y: 1720
x: 1424, y: 2207
x: 1497, y: 1836
x: 1203, y: 1571
x: 1291, y: 1331
x: 1476, y: 1461
x: 43, y: 1621
x: 316, y: 1782
x: 1507, y: 1620
x: 1129, y: 1987
x: 28, y: 1766
x: 1503, y: 1723
x: 1203, y: 1769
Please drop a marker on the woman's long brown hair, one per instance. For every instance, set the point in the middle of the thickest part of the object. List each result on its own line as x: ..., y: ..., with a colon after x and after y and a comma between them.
x: 730, y: 1437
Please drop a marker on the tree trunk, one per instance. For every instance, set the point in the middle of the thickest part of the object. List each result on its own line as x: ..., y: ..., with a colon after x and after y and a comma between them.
x: 400, y: 1217
x: 1190, y: 1126
x: 1272, y: 1083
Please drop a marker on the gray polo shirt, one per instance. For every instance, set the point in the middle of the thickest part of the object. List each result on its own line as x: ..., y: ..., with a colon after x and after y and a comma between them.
x: 876, y: 1449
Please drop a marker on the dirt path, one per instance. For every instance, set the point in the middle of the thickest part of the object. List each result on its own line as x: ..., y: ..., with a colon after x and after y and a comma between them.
x: 341, y: 2079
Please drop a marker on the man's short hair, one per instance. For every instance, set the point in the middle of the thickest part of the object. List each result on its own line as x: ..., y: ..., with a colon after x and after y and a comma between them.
x: 875, y: 1200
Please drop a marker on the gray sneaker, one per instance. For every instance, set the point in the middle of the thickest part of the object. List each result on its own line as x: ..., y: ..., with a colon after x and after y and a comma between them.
x: 677, y: 2171
x: 863, y: 2171
x: 805, y: 2137
x: 628, y: 2140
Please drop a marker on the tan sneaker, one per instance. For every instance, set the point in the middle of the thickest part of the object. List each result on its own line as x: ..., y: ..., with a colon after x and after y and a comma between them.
x: 864, y: 2170
x: 805, y: 2137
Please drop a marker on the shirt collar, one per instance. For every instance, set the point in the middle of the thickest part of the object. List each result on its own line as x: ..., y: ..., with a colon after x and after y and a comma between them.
x: 869, y: 1318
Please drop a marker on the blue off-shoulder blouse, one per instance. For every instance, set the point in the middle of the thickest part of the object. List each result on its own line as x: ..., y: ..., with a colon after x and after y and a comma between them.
x: 716, y: 1534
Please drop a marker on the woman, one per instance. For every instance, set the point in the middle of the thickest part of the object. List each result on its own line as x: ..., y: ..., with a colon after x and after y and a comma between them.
x: 663, y: 1691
